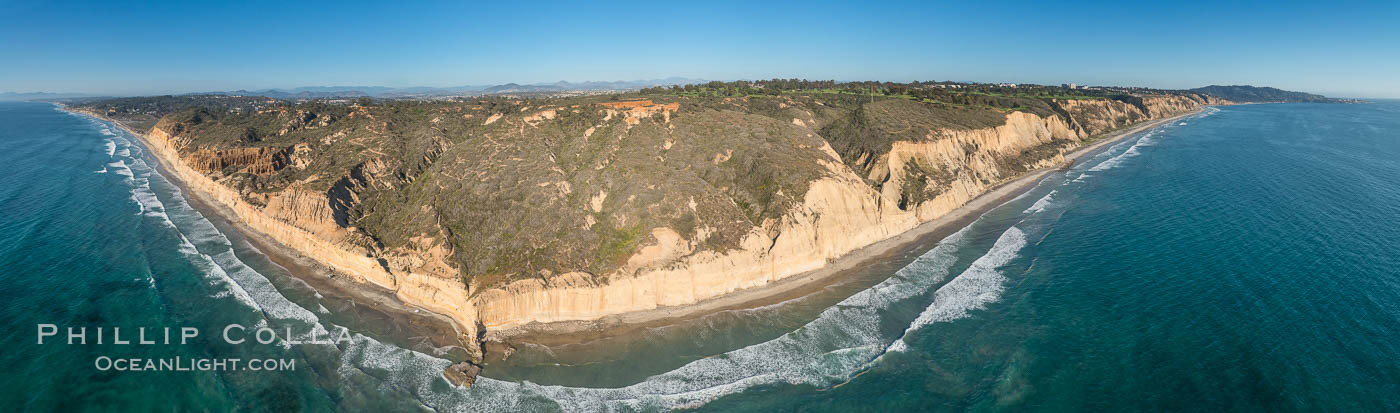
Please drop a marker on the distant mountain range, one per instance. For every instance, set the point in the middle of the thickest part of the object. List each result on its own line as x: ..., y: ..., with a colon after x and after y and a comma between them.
x: 325, y: 92
x: 1254, y: 94
x: 331, y: 92
x: 1237, y: 93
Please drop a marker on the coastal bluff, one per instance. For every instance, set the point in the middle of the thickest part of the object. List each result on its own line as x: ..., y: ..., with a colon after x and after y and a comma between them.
x: 516, y: 212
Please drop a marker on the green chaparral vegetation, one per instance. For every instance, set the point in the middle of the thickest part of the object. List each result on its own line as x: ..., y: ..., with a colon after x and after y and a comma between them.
x: 527, y: 186
x: 1004, y: 97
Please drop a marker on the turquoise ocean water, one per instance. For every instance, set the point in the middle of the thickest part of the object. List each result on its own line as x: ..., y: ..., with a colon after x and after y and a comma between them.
x: 1246, y: 258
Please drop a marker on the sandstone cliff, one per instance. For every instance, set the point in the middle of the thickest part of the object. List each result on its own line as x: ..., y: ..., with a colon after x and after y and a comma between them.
x: 509, y: 213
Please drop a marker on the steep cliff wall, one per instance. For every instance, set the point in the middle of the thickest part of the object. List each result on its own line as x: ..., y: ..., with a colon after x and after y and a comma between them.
x: 840, y: 213
x: 1096, y: 116
x: 258, y: 161
x: 302, y: 220
x: 675, y: 203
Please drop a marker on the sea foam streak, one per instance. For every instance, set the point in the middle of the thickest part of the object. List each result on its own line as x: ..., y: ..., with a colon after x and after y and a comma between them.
x: 842, y: 341
x: 216, y: 256
x: 1042, y: 203
x: 413, y: 371
x: 1134, y: 149
x: 978, y: 285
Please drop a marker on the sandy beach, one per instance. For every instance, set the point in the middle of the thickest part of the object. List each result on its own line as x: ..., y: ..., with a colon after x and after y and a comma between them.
x: 364, y: 300
x: 547, y: 334
x: 444, y: 333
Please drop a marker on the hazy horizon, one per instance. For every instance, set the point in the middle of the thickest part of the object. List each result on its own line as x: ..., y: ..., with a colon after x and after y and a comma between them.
x: 150, y: 49
x: 352, y: 87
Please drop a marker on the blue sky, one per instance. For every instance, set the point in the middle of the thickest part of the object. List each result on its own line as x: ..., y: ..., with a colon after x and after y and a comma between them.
x: 1338, y: 48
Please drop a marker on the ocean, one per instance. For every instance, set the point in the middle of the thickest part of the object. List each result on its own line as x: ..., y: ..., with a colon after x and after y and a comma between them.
x: 1245, y: 258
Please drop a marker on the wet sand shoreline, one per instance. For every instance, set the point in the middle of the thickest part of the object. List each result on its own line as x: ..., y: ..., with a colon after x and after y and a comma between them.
x: 443, y: 331
x: 573, y: 332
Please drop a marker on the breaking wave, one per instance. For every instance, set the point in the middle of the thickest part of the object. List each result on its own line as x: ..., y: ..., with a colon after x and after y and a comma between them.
x: 1042, y: 203
x: 211, y: 251
x: 1132, y: 151
x: 839, y: 344
x: 980, y: 284
x: 842, y: 341
x: 1134, y: 148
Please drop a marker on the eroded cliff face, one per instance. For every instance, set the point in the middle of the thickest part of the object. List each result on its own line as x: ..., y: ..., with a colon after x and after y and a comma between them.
x: 257, y: 161
x: 840, y: 213
x: 1096, y: 116
x: 303, y: 220
x: 916, y: 181
x: 576, y: 212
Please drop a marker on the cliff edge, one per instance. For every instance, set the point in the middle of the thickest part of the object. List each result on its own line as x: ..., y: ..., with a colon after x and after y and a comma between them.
x: 505, y: 212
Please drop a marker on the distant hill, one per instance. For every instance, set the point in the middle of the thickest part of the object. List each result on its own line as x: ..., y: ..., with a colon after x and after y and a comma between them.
x: 1245, y: 93
x: 298, y: 93
x: 343, y: 92
x: 330, y: 92
x: 8, y: 96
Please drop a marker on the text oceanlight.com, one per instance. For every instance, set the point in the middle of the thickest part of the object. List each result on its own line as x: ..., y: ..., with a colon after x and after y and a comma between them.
x: 105, y: 363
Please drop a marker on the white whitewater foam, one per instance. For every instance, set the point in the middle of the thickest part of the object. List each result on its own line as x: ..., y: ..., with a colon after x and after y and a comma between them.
x: 839, y: 343
x: 843, y: 340
x: 221, y: 263
x: 151, y: 206
x: 979, y: 284
x: 1042, y: 203
x: 1132, y: 151
x: 120, y: 168
x: 411, y: 370
x: 1146, y: 140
